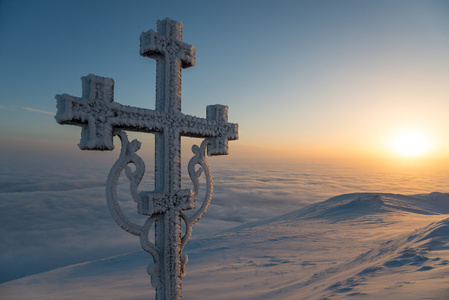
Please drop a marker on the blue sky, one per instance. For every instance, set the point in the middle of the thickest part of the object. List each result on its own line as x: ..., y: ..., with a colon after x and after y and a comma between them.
x: 301, y: 78
x: 307, y: 77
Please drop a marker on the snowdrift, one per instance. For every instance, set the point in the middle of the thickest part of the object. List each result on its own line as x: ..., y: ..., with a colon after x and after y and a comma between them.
x: 362, y: 246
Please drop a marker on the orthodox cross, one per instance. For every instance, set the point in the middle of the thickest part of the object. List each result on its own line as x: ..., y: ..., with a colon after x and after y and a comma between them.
x: 101, y: 118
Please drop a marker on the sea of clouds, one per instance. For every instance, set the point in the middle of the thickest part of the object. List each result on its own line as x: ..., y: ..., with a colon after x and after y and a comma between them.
x: 55, y: 214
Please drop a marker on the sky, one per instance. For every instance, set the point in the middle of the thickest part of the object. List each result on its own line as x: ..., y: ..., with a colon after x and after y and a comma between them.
x: 316, y: 81
x: 326, y: 79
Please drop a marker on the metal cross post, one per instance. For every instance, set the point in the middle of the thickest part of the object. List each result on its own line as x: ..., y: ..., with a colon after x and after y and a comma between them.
x: 101, y: 118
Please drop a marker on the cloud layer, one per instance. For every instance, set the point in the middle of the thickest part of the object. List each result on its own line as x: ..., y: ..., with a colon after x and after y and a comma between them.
x: 54, y: 215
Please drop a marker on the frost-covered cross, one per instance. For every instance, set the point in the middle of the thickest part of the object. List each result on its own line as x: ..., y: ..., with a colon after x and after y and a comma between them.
x: 101, y: 118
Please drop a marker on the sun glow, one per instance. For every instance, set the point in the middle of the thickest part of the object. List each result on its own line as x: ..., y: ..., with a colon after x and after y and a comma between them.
x: 410, y: 143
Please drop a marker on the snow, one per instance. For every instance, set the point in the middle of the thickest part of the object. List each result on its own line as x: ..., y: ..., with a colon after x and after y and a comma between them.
x: 53, y: 211
x: 363, y: 245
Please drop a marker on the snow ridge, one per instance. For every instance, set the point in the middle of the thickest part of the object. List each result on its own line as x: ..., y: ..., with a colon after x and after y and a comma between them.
x: 363, y: 246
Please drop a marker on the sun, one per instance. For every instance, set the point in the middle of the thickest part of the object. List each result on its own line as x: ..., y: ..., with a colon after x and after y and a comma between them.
x: 410, y: 143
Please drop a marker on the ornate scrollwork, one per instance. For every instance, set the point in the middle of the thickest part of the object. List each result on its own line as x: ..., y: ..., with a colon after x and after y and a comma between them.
x: 198, y: 159
x: 128, y: 156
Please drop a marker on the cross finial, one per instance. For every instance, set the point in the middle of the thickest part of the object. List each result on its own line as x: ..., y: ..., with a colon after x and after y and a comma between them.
x: 171, y: 54
x: 167, y: 41
x: 98, y: 88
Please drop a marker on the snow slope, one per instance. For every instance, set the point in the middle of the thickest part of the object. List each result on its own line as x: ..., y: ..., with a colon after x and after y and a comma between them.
x: 362, y: 246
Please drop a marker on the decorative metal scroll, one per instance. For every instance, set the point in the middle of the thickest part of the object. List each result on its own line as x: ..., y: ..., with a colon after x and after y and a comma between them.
x: 128, y: 156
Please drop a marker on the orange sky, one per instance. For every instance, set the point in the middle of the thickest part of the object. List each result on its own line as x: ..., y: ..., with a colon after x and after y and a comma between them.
x: 304, y: 80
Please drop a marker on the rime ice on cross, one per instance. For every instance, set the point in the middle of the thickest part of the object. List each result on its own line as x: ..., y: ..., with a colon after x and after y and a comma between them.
x: 99, y: 115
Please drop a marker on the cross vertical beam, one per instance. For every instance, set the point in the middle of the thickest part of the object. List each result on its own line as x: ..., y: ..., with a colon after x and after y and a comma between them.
x: 172, y: 55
